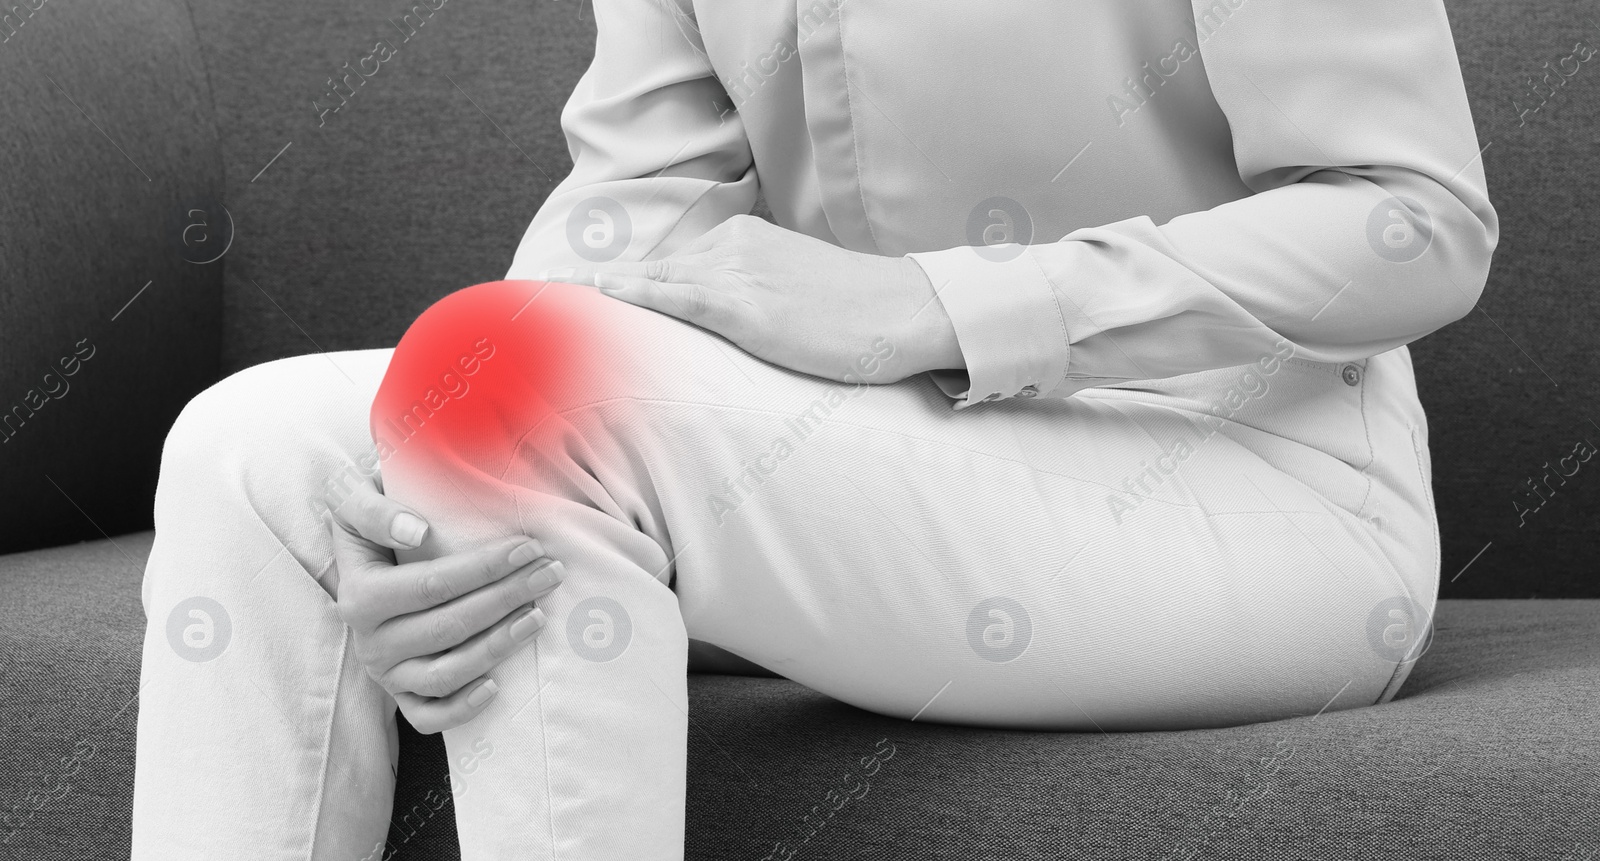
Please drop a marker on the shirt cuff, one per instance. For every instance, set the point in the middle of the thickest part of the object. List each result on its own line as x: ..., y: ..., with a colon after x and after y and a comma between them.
x: 1007, y: 321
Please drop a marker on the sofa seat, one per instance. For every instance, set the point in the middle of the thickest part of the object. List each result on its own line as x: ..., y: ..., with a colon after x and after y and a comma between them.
x: 1488, y: 751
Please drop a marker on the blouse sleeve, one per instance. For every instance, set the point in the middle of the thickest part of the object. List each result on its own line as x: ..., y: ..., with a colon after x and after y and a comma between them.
x: 657, y: 160
x: 1369, y: 225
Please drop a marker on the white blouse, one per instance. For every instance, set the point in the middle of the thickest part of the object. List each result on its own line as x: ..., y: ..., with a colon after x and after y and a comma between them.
x: 1101, y: 192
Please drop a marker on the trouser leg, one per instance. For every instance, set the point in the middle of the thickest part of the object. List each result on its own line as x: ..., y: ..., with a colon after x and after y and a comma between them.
x: 259, y: 734
x: 983, y: 567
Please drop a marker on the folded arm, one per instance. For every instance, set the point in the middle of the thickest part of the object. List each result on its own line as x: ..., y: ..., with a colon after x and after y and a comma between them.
x: 1370, y: 226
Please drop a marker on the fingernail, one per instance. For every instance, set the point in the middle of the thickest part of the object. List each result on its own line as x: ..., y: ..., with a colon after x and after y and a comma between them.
x: 407, y: 529
x: 482, y: 693
x: 553, y: 274
x: 607, y: 282
x: 528, y: 625
x: 525, y: 552
x: 546, y: 576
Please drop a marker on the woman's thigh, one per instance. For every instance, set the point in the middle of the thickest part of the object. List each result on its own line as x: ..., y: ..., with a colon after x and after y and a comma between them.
x: 991, y: 568
x: 1002, y: 565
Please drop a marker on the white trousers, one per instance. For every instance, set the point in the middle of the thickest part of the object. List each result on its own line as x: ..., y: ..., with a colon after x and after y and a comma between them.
x: 1227, y: 547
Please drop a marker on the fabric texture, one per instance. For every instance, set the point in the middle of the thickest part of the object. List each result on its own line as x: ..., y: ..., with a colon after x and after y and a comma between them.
x: 1284, y: 176
x: 111, y: 223
x: 423, y: 186
x: 644, y: 454
x: 1488, y: 751
x: 345, y: 216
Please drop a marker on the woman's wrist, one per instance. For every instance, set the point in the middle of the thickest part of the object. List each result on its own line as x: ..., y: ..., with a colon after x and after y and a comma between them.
x: 930, y: 335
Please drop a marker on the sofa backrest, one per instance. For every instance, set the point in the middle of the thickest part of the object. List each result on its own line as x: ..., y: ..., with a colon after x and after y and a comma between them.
x: 1511, y: 390
x: 348, y: 223
x: 107, y: 140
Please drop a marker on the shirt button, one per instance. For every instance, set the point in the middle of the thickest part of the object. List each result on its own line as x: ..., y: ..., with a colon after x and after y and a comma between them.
x: 1351, y: 374
x: 1028, y: 392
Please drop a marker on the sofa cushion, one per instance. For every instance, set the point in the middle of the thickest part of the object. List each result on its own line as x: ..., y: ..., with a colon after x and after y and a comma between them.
x: 1489, y: 750
x: 71, y: 627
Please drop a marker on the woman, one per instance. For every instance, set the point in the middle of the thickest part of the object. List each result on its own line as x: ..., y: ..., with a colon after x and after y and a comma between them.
x: 1069, y: 391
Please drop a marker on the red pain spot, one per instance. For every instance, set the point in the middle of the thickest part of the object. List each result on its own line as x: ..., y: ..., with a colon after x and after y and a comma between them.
x: 485, y: 366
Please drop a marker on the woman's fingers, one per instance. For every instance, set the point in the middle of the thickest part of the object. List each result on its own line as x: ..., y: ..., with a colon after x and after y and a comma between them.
x: 428, y: 715
x: 691, y: 302
x: 380, y: 595
x: 445, y: 674
x: 353, y: 556
x: 448, y: 625
x: 672, y: 286
x: 376, y: 517
x: 428, y: 631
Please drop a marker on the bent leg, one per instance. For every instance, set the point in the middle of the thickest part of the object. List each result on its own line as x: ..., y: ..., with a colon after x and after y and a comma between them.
x: 259, y: 734
x: 867, y: 541
x: 582, y: 754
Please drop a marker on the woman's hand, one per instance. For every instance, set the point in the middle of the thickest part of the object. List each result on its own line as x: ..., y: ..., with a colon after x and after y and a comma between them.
x: 429, y: 631
x: 791, y: 299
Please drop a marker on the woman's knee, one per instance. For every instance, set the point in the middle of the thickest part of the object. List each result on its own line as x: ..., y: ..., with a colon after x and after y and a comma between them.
x: 271, y: 430
x: 486, y: 368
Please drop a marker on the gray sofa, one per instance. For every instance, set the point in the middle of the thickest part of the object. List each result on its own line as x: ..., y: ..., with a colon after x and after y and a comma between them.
x: 175, y: 207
